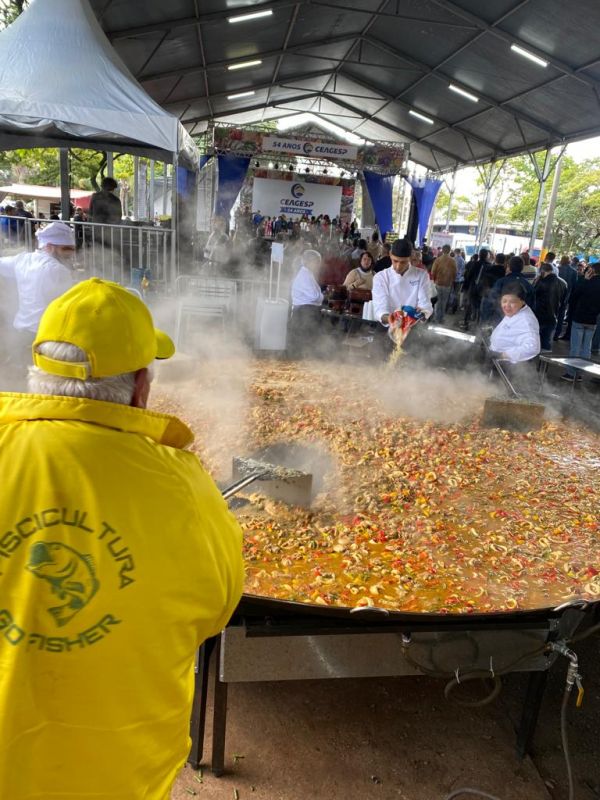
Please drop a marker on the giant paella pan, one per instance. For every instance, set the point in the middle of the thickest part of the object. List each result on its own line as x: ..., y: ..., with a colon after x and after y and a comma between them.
x: 417, y: 509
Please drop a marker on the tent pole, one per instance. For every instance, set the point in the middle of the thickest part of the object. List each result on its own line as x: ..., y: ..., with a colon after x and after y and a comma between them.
x: 174, y: 221
x: 136, y: 187
x: 65, y: 198
x: 484, y: 215
x: 151, y: 193
x: 490, y: 180
x: 165, y: 187
x: 109, y: 164
x: 552, y: 204
x: 542, y: 178
x: 452, y: 189
x: 401, y: 203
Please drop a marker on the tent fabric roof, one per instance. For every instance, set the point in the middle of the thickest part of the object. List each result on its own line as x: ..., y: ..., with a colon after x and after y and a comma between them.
x: 40, y: 192
x: 62, y: 82
x: 366, y: 64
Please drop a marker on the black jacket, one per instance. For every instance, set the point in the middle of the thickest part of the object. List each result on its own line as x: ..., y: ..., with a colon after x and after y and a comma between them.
x: 488, y: 277
x: 512, y: 277
x: 471, y: 283
x: 568, y: 274
x: 585, y: 301
x: 549, y: 293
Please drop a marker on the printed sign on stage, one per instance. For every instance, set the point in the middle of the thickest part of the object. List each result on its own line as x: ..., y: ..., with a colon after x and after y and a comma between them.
x: 309, y: 148
x: 295, y: 198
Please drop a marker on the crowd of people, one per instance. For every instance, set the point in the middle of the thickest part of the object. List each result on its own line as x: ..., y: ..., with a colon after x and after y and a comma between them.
x: 546, y: 301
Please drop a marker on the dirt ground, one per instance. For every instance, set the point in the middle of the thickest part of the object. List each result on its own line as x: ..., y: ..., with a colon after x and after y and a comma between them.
x: 397, y: 739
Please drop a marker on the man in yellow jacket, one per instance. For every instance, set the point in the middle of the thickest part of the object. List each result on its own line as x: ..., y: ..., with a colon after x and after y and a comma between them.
x: 118, y: 557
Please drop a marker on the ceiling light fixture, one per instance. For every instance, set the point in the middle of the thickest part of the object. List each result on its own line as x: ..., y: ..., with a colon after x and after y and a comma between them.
x: 463, y: 93
x: 428, y: 120
x: 270, y: 165
x: 244, y: 64
x: 276, y: 165
x: 530, y: 56
x: 240, y: 94
x: 291, y: 167
x: 254, y: 15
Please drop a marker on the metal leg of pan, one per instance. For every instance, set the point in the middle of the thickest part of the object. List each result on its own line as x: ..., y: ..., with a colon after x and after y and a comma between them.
x: 219, y: 719
x: 531, y: 710
x: 198, y: 721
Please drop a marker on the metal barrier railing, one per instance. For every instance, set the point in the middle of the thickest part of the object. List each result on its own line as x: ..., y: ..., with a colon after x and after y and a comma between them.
x: 122, y: 253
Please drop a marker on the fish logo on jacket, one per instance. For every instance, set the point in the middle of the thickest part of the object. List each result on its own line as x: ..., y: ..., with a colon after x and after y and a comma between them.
x: 71, y: 576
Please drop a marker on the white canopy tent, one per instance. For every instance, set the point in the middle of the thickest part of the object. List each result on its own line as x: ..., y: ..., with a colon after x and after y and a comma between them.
x: 62, y: 84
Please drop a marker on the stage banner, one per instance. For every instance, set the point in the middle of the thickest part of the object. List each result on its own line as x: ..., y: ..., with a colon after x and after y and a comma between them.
x: 238, y: 140
x: 232, y: 171
x: 390, y: 160
x: 309, y: 148
x: 295, y: 198
x: 380, y: 189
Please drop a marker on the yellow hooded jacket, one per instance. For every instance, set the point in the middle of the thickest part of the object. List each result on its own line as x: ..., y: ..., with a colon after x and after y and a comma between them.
x: 118, y: 557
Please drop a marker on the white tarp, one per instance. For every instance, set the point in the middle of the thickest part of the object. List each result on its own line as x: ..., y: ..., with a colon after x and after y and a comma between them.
x: 61, y: 80
x: 294, y: 198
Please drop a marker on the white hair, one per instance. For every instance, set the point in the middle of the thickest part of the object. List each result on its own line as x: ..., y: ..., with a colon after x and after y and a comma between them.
x: 116, y: 389
x: 311, y: 258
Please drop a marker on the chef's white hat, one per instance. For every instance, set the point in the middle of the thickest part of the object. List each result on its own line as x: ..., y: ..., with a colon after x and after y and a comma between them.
x: 56, y: 233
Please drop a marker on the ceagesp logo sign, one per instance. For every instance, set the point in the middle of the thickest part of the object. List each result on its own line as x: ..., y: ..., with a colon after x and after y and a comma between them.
x: 297, y: 190
x: 307, y: 148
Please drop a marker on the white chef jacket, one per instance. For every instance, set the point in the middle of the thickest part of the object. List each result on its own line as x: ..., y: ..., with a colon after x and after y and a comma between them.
x: 40, y: 278
x: 391, y: 291
x: 518, y: 336
x: 305, y: 289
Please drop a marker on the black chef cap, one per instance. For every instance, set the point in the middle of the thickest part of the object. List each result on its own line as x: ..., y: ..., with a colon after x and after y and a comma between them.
x: 402, y: 248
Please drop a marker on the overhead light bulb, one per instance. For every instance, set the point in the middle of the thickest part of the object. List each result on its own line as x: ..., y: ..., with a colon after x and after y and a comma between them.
x: 244, y: 64
x: 526, y: 54
x: 254, y: 15
x: 462, y: 92
x: 240, y: 94
x: 428, y: 120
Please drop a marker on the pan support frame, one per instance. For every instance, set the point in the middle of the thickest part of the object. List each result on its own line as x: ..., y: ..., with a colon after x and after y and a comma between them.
x: 258, y: 650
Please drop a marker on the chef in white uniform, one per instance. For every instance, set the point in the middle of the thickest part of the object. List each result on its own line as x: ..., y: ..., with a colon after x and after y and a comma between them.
x: 517, y: 337
x: 400, y: 285
x: 39, y: 278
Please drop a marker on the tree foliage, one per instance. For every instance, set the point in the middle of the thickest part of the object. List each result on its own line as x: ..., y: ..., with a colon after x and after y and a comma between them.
x: 576, y: 225
x: 40, y: 166
x: 10, y: 10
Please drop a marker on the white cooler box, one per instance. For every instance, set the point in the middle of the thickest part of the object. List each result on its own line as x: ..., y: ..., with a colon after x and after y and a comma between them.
x: 272, y: 312
x: 271, y: 324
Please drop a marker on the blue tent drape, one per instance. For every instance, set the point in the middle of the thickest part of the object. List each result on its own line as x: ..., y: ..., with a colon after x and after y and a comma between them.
x: 232, y: 171
x: 204, y: 161
x: 380, y: 189
x: 424, y: 191
x: 186, y: 181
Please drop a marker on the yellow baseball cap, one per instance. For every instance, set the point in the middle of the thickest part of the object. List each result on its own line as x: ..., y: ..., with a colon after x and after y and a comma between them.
x: 111, y: 325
